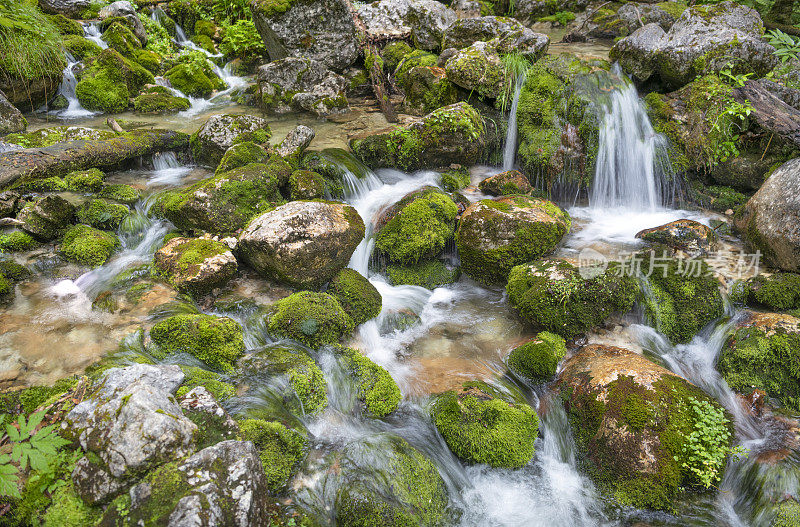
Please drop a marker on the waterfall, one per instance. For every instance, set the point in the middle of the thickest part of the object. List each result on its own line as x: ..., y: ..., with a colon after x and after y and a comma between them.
x: 67, y: 89
x: 510, y: 153
x: 167, y: 170
x: 91, y: 31
x: 630, y: 172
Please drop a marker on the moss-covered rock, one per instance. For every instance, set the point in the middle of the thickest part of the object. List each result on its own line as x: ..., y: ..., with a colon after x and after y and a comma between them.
x: 387, y: 482
x: 85, y: 180
x: 195, y: 78
x: 88, y: 246
x: 778, y: 292
x: 417, y: 58
x: 358, y: 297
x: 427, y: 89
x: 120, y: 38
x: 480, y: 426
x: 453, y: 134
x: 685, y: 235
x: 394, y: 52
x: 646, y: 433
x: 221, y: 132
x: 66, y: 26
x: 305, y: 184
x: 553, y: 295
x: 681, y: 302
x: 429, y: 274
x: 495, y: 235
x: 281, y: 449
x: 211, y: 381
x: 538, y: 358
x: 13, y: 271
x: 420, y: 226
x: 16, y: 241
x: 102, y: 214
x: 505, y: 183
x: 478, y: 68
x: 109, y: 82
x: 376, y: 388
x: 763, y: 353
x: 195, y: 265
x: 244, y: 153
x: 456, y: 179
x: 313, y: 319
x: 6, y: 290
x: 47, y: 217
x: 159, y: 100
x: 81, y: 48
x: 48, y: 184
x: 44, y: 137
x: 217, y: 341
x: 124, y: 194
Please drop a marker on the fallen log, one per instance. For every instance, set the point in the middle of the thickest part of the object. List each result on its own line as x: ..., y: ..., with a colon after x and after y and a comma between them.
x: 771, y: 113
x: 62, y: 158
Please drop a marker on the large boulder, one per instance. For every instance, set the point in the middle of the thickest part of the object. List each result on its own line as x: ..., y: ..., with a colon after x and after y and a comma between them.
x: 44, y: 219
x: 301, y: 84
x: 510, y: 34
x: 509, y: 182
x: 763, y: 353
x: 303, y: 243
x: 705, y: 39
x: 110, y: 82
x: 221, y: 132
x: 68, y: 8
x: 558, y: 297
x: 322, y: 30
x: 478, y: 69
x: 453, y: 134
x: 195, y: 265
x: 216, y: 341
x: 376, y: 389
x: 770, y: 221
x: 495, y: 235
x: 11, y: 119
x: 534, y: 9
x: 124, y: 9
x: 428, y: 88
x: 644, y: 431
x: 424, y: 20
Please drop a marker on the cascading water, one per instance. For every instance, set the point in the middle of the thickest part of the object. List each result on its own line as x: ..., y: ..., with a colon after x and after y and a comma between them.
x: 91, y: 30
x: 74, y: 109
x: 167, y: 170
x: 510, y: 151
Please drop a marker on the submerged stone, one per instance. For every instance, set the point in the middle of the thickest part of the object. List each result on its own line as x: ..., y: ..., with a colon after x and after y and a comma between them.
x: 88, y: 246
x: 685, y: 235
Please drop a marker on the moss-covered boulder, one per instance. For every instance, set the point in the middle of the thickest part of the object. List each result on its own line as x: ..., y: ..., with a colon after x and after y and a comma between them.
x: 684, y: 235
x: 385, y: 481
x: 455, y: 179
x: 281, y: 449
x: 193, y: 79
x: 393, y: 52
x: 122, y: 39
x: 763, y: 353
x: 109, y: 82
x: 81, y: 48
x: 306, y: 184
x: 85, y: 180
x: 225, y: 202
x: 303, y: 243
x: 220, y: 132
x: 646, y: 433
x: 124, y: 194
x: 313, y: 319
x: 495, y: 235
x: 478, y: 69
x: 427, y: 89
x: 777, y: 292
x: 210, y: 380
x: 505, y: 183
x: 481, y: 426
x: 47, y: 217
x: 216, y: 341
x: 556, y: 296
x: 293, y: 373
x: 245, y: 153
x: 358, y: 297
x: 195, y: 265
x: 453, y: 134
x: 429, y: 274
x: 88, y: 246
x: 680, y: 302
x: 102, y: 214
x: 419, y: 226
x: 16, y: 241
x: 301, y: 84
x: 537, y: 359
x: 415, y: 59
x: 159, y: 100
x: 376, y: 389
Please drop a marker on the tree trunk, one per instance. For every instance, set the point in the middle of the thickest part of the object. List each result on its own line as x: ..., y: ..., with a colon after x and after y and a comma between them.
x: 770, y: 112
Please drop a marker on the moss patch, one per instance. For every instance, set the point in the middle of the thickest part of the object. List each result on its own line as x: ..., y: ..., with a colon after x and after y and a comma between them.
x: 282, y: 449
x: 313, y: 319
x: 217, y: 341
x: 88, y: 246
x: 538, y: 359
x: 358, y: 297
x: 376, y: 388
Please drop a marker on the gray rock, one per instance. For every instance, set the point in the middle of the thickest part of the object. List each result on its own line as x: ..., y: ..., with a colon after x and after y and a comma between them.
x: 386, y: 18
x: 11, y: 119
x: 467, y: 8
x: 533, y: 9
x: 69, y: 8
x: 790, y: 96
x: 704, y: 39
x: 302, y: 243
x: 296, y: 141
x: 511, y: 34
x: 632, y: 16
x: 132, y: 421
x: 302, y: 84
x: 428, y: 20
x: 8, y: 203
x: 220, y: 132
x: 199, y: 399
x: 322, y: 30
x: 93, y: 483
x: 478, y: 68
x: 770, y: 221
x: 216, y: 268
x: 125, y: 9
x: 47, y: 217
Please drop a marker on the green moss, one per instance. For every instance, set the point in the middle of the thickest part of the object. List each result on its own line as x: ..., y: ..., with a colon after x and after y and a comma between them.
x: 194, y: 377
x: 429, y: 274
x: 357, y: 296
x: 788, y: 514
x: 88, y: 246
x: 271, y: 8
x: 85, y: 180
x: 538, y: 359
x: 149, y: 60
x: 14, y: 271
x: 241, y: 154
x: 36, y: 397
x: 108, y: 83
x: 68, y: 510
x: 17, y: 241
x: 194, y: 77
x: 65, y: 25
x: 102, y: 214
x: 305, y: 184
x: 313, y: 319
x: 50, y: 184
x: 122, y: 193
x: 217, y: 341
x: 420, y: 229
x: 456, y: 179
x: 282, y: 449
x: 674, y: 9
x: 551, y: 295
x: 31, y: 44
x: 376, y: 388
x: 159, y: 99
x: 81, y: 48
x: 778, y: 292
x: 412, y: 60
x: 394, y: 52
x: 481, y: 428
x: 120, y: 38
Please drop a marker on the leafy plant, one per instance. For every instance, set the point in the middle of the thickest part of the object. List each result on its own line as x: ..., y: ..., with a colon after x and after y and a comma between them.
x: 31, y: 43
x: 786, y: 46
x: 516, y: 66
x: 242, y: 40
x: 25, y: 446
x: 158, y: 39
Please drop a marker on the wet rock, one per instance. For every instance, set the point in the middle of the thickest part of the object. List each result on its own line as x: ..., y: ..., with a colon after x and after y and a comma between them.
x: 241, y: 155
x: 703, y: 40
x: 301, y: 84
x: 533, y: 9
x: 213, y: 422
x: 643, y: 428
x: 93, y: 483
x: 295, y: 142
x: 303, y: 243
x: 195, y: 265
x: 131, y: 421
x: 159, y: 100
x: 124, y: 9
x: 321, y: 30
x: 537, y: 360
x: 510, y: 182
x: 424, y: 20
x: 110, y: 81
x: 8, y: 203
x: 776, y: 291
x: 282, y: 449
x: 684, y: 235
x: 763, y: 353
x: 478, y: 68
x: 558, y: 297
x: 102, y: 214
x: 513, y: 37
x: 495, y: 235
x: 68, y: 8
x: 358, y: 297
x: 221, y: 132
x: 427, y: 88
x: 11, y: 119
x: 44, y: 219
x: 453, y: 134
x: 429, y: 274
x: 376, y: 389
x: 216, y: 341
x: 769, y: 221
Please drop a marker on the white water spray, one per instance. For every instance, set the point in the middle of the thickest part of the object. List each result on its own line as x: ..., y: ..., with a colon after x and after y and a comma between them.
x: 74, y: 109
x: 510, y: 152
x: 91, y: 30
x: 167, y: 170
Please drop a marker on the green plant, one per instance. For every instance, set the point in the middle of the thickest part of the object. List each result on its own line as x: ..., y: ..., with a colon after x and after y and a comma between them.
x: 786, y: 46
x: 516, y: 66
x: 30, y: 41
x: 242, y: 39
x: 561, y: 18
x: 158, y: 39
x: 28, y: 447
x: 732, y: 119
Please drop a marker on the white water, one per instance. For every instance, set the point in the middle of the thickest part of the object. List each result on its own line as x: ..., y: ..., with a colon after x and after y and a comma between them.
x: 91, y: 30
x: 510, y: 152
x: 167, y: 170
x: 74, y: 110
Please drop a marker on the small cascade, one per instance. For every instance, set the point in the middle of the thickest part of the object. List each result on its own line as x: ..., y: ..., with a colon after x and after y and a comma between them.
x: 197, y: 104
x: 167, y: 170
x: 510, y: 152
x: 74, y: 109
x: 91, y: 30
